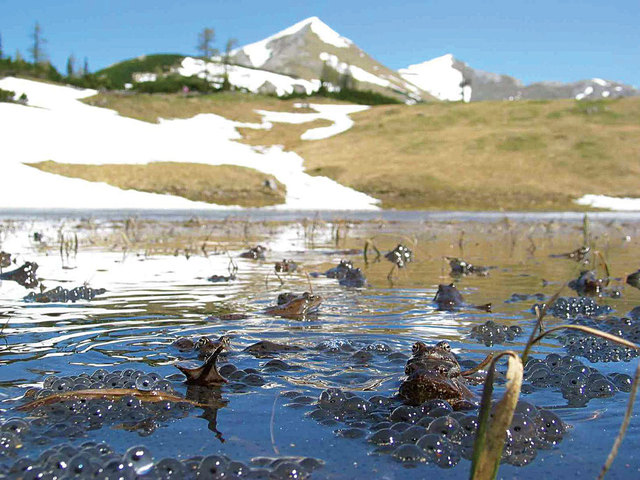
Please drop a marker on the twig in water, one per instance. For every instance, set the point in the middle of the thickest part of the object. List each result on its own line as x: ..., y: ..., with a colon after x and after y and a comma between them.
x: 272, y: 423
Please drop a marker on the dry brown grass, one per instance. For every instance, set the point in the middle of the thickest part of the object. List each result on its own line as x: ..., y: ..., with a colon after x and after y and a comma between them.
x: 285, y: 134
x: 488, y: 155
x: 220, y: 184
x: 232, y: 105
x: 530, y: 155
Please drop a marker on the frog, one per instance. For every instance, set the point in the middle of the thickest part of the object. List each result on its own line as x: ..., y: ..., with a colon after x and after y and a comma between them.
x: 24, y: 275
x: 295, y: 305
x: 433, y: 372
x: 448, y: 298
x: 206, y: 374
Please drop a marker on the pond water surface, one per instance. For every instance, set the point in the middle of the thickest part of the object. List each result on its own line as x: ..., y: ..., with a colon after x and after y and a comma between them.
x: 155, y: 272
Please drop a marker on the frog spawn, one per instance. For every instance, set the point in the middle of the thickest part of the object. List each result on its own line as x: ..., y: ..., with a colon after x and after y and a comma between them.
x: 596, y: 349
x: 99, y: 461
x: 74, y: 416
x: 241, y: 380
x: 570, y: 307
x: 577, y: 382
x: 492, y: 333
x: 432, y: 432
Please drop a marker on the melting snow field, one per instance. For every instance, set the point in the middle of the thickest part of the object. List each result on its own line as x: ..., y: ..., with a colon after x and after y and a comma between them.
x: 248, y: 78
x: 57, y: 126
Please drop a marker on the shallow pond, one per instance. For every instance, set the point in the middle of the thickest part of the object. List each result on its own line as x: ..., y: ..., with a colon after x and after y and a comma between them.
x: 156, y: 272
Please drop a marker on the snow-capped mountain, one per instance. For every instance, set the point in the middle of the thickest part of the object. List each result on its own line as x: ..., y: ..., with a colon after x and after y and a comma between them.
x: 301, y: 57
x: 447, y: 78
x: 308, y: 49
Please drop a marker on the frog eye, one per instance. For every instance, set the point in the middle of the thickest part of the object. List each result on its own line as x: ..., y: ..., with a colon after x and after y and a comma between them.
x: 444, y: 345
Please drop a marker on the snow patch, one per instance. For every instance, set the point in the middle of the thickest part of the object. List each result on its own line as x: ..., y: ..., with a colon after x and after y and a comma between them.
x: 141, y: 77
x: 356, y: 72
x: 327, y: 34
x: 338, y: 114
x: 70, y: 131
x: 610, y: 203
x: 438, y: 77
x: 600, y: 81
x: 588, y: 90
x: 248, y: 78
x: 362, y: 75
x: 606, y: 93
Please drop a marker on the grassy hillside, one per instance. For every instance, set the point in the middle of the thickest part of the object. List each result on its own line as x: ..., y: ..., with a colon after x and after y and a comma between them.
x: 528, y: 155
x: 532, y: 155
x: 236, y: 106
x: 220, y: 184
x: 121, y: 73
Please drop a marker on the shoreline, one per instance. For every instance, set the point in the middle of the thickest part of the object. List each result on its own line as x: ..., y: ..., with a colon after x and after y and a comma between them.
x: 262, y: 214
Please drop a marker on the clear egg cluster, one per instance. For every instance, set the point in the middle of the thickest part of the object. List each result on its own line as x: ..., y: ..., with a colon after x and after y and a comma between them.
x: 361, y: 352
x: 99, y: 461
x: 73, y: 416
x: 491, y: 333
x: 569, y: 307
x: 432, y: 432
x: 577, y: 382
x: 62, y: 295
x: 596, y: 349
x: 241, y: 380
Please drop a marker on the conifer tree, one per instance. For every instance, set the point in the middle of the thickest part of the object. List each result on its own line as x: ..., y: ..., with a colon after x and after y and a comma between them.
x: 231, y: 43
x: 37, y: 46
x: 71, y: 65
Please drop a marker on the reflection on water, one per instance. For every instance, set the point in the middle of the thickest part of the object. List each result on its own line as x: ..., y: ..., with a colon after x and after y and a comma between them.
x: 155, y: 274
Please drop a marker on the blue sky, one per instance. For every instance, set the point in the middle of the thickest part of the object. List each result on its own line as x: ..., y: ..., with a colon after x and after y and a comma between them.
x: 533, y: 40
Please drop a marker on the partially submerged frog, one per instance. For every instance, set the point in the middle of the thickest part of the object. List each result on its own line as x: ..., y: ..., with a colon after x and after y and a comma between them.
x: 433, y: 372
x: 633, y: 279
x: 286, y: 266
x: 588, y: 283
x: 255, y: 253
x: 5, y: 259
x: 24, y: 275
x: 449, y: 298
x: 461, y: 267
x: 353, y: 278
x: 400, y: 256
x: 206, y: 374
x: 578, y: 254
x: 340, y: 270
x: 295, y: 305
x: 203, y: 345
x: 266, y: 348
x: 346, y: 274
